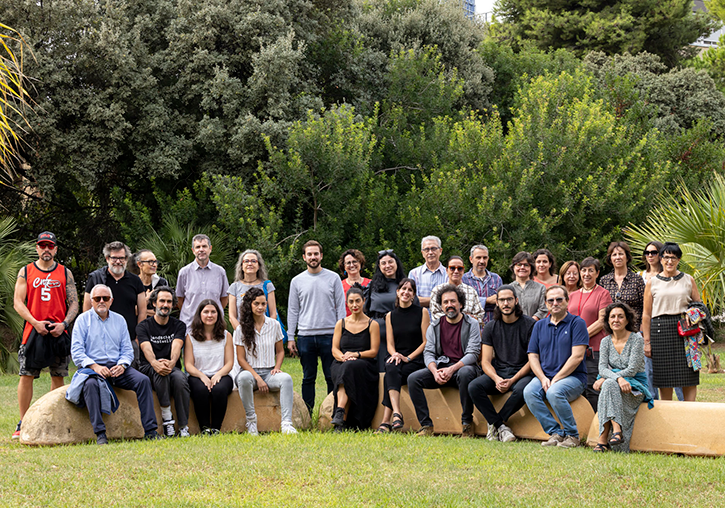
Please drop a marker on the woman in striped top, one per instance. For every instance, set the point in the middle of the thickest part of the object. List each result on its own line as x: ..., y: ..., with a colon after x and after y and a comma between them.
x: 260, y: 353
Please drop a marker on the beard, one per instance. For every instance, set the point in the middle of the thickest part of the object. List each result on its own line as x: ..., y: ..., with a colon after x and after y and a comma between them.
x: 117, y: 270
x: 452, y: 313
x: 163, y: 312
x: 314, y: 263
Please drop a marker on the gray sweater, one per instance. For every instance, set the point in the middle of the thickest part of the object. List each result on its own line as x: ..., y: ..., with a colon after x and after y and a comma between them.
x: 316, y: 302
x: 470, y: 342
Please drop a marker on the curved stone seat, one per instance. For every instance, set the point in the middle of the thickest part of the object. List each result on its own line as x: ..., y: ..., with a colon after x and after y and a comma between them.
x: 690, y: 428
x: 52, y: 420
x: 445, y: 411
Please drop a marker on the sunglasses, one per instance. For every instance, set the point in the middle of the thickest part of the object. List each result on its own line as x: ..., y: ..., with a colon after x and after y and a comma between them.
x: 386, y: 252
x: 651, y: 252
x: 456, y: 268
x: 551, y: 301
x: 101, y: 299
x: 46, y: 245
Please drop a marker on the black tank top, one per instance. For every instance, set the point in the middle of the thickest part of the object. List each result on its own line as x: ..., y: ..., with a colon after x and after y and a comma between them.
x: 406, y: 328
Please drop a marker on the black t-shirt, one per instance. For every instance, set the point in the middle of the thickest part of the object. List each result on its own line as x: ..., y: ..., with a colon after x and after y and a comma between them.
x: 125, y: 294
x: 510, y: 342
x: 160, y: 337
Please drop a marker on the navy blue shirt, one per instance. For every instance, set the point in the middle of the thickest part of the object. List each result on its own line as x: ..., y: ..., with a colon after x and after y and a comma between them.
x: 553, y: 344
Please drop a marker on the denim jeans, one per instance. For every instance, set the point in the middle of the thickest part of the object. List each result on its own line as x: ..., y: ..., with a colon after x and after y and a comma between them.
x: 310, y: 347
x: 559, y: 395
x: 280, y: 382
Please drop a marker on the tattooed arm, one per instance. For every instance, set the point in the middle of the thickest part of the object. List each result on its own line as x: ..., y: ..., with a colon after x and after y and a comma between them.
x: 71, y: 301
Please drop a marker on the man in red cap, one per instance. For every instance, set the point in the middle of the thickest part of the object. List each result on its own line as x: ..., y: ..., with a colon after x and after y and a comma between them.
x: 46, y: 298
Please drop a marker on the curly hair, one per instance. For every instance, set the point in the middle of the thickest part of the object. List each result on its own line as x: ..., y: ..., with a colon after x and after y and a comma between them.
x: 246, y: 320
x: 197, y: 327
x: 354, y: 253
x: 451, y: 288
x: 628, y: 314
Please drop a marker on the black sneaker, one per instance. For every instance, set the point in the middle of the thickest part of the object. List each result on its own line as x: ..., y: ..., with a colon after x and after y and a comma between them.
x: 168, y: 427
x: 101, y: 438
x: 153, y: 435
x: 338, y: 417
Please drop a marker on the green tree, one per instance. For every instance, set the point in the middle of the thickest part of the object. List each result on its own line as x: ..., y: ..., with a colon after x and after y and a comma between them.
x: 696, y: 221
x: 664, y: 28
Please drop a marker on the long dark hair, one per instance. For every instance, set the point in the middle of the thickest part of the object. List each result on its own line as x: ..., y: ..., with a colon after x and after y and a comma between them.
x: 197, y: 327
x: 379, y: 283
x: 246, y: 320
x: 403, y: 282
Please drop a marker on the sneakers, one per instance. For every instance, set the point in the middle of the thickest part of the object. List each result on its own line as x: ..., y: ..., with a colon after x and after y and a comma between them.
x: 338, y: 417
x: 101, y: 439
x: 554, y: 440
x: 252, y: 426
x: 209, y: 432
x: 168, y: 427
x: 492, y: 434
x: 184, y: 432
x: 152, y: 436
x: 505, y: 435
x: 570, y: 442
x: 16, y: 434
x: 288, y: 428
x: 467, y: 430
x: 426, y: 430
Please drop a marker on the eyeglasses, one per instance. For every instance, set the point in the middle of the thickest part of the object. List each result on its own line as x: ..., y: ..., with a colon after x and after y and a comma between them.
x: 352, y: 262
x: 117, y: 259
x: 46, y: 245
x: 250, y: 261
x: 148, y: 262
x: 669, y: 258
x: 101, y: 299
x: 651, y: 252
x: 551, y: 301
x: 505, y: 300
x: 385, y: 252
x: 522, y: 265
x: 430, y: 249
x: 456, y: 268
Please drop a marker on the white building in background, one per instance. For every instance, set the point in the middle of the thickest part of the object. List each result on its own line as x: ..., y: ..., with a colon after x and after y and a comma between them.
x: 711, y: 41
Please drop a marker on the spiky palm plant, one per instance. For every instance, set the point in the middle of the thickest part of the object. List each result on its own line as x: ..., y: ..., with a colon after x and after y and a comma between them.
x: 696, y: 221
x: 172, y: 247
x: 13, y: 256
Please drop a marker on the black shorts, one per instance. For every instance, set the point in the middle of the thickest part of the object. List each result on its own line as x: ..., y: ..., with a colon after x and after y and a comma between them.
x: 59, y: 367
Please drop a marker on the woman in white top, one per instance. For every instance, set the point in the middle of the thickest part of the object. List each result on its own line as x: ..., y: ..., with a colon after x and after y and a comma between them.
x: 208, y: 358
x: 260, y: 353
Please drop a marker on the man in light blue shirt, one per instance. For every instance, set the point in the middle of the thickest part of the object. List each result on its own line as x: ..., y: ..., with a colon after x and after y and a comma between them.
x: 432, y: 273
x: 101, y: 347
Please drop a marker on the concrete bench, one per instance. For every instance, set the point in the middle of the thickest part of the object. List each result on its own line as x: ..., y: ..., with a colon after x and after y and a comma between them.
x: 52, y: 420
x: 690, y: 428
x: 445, y: 411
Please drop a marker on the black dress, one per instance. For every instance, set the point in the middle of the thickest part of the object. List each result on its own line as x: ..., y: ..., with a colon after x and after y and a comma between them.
x: 359, y: 377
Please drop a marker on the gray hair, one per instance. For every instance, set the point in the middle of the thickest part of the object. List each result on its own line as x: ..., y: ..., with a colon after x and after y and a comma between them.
x: 261, y: 267
x: 431, y: 237
x: 101, y: 286
x: 479, y: 246
x: 200, y: 237
x: 116, y: 246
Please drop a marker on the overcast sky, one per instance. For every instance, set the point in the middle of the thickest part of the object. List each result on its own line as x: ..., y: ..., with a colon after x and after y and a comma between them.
x: 484, y: 5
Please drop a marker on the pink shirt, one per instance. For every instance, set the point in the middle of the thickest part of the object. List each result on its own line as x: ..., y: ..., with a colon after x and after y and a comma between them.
x: 587, y: 307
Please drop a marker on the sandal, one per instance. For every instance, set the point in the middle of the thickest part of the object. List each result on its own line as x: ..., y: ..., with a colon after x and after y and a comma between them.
x: 384, y: 428
x: 616, y: 439
x: 602, y: 447
x: 398, y: 422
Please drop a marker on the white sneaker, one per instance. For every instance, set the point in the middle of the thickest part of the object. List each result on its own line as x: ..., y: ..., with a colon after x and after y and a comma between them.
x: 168, y: 427
x: 252, y: 426
x: 288, y: 428
x: 505, y: 435
x: 184, y: 432
x: 492, y: 434
x: 554, y: 440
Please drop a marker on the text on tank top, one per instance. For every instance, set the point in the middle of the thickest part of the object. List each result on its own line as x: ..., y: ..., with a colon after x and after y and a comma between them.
x: 46, y: 295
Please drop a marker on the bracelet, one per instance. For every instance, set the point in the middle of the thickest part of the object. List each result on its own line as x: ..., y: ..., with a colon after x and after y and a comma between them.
x: 358, y: 354
x: 407, y: 358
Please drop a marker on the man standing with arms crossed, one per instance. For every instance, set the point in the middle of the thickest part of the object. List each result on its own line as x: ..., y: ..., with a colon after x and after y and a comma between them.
x: 52, y: 305
x: 316, y: 303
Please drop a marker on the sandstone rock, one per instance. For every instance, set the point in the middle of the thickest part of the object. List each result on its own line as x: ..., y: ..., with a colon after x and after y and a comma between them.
x: 445, y: 410
x: 690, y: 428
x: 52, y: 420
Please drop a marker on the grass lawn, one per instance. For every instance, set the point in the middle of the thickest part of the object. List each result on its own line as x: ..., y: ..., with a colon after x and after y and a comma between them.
x: 316, y: 469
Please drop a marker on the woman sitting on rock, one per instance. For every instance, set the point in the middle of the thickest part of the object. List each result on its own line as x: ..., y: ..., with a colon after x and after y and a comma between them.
x: 354, y: 372
x: 260, y: 353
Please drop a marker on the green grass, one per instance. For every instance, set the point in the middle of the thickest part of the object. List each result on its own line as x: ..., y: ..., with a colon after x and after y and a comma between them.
x: 316, y: 469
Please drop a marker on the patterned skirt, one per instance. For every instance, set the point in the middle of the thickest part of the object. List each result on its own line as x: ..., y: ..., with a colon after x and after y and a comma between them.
x: 669, y: 363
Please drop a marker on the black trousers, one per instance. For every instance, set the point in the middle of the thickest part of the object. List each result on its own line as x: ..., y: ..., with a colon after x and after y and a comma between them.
x: 210, y: 406
x: 481, y: 388
x: 592, y: 372
x: 174, y: 384
x: 131, y: 379
x: 397, y: 375
x: 422, y: 379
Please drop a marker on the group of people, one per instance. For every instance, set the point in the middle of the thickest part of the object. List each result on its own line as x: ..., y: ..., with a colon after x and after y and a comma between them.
x: 548, y: 336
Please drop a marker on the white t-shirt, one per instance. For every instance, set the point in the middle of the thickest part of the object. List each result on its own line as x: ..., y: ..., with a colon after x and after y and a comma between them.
x: 265, y: 339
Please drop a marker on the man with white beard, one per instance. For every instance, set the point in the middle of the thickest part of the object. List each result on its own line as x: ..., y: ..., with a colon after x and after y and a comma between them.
x: 129, y: 294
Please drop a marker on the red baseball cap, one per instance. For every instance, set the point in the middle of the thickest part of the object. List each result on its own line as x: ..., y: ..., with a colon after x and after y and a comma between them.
x: 46, y: 236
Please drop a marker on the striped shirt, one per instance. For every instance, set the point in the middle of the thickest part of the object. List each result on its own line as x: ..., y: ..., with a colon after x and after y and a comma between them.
x: 485, y: 287
x: 265, y: 339
x: 426, y: 279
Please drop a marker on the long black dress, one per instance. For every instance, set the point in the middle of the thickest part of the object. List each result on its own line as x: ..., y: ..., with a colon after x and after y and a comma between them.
x: 359, y: 377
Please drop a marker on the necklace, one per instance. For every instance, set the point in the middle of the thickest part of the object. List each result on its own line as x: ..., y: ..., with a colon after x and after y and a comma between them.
x: 579, y: 309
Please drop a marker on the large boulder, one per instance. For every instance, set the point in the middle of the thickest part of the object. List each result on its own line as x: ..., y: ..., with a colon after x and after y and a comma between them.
x: 445, y: 410
x: 52, y: 420
x: 690, y: 428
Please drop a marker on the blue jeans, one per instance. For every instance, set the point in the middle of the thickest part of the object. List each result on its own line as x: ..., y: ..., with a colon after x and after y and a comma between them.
x: 559, y: 396
x: 310, y: 347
